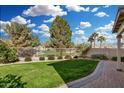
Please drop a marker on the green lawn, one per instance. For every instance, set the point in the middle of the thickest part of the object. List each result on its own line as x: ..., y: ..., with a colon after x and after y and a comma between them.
x: 50, y: 74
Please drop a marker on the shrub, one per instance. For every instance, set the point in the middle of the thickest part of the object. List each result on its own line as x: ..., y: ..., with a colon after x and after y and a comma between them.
x: 99, y: 56
x: 115, y: 59
x: 11, y: 81
x: 76, y: 56
x: 68, y: 57
x: 12, y: 57
x: 60, y: 57
x: 41, y: 58
x: 28, y: 59
x: 51, y: 57
x: 7, y: 55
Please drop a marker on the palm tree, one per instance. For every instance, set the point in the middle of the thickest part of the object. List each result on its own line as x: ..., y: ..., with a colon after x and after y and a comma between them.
x: 91, y: 40
x: 94, y: 36
x: 101, y: 39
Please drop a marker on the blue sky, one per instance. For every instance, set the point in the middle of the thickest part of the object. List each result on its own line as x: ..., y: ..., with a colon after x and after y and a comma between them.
x: 83, y: 20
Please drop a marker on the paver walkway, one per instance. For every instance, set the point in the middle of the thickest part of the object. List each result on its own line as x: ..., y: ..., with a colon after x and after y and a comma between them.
x: 105, y: 76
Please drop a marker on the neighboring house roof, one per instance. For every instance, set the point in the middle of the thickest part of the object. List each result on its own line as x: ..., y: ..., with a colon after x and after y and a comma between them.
x: 119, y: 20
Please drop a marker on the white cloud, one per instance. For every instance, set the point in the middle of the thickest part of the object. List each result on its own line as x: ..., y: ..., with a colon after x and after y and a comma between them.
x: 3, y: 25
x: 36, y: 31
x: 1, y: 30
x: 107, y: 33
x: 101, y: 14
x: 31, y: 25
x: 20, y: 20
x: 28, y: 21
x: 77, y: 8
x: 43, y: 29
x: 107, y: 27
x: 106, y: 6
x: 77, y: 28
x: 79, y: 36
x: 110, y: 38
x: 79, y: 33
x: 49, y: 20
x: 46, y: 34
x: 95, y: 9
x: 48, y: 10
x: 85, y: 24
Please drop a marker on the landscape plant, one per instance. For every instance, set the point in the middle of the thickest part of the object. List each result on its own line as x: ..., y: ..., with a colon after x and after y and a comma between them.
x: 20, y: 35
x: 7, y: 54
x: 99, y: 56
x: 11, y: 81
x: 28, y: 59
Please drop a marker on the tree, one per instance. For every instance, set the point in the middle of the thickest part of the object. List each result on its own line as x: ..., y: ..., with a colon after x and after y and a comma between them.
x: 101, y: 39
x: 60, y: 33
x: 7, y: 54
x: 91, y: 40
x: 35, y: 41
x: 94, y: 36
x: 20, y: 35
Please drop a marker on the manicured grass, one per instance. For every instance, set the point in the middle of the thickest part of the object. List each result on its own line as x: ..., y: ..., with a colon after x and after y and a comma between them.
x: 50, y: 74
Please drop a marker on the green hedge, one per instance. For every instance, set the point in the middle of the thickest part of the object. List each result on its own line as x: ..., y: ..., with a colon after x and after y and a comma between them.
x: 76, y: 57
x: 28, y: 59
x: 60, y: 57
x: 68, y: 57
x: 115, y: 59
x: 41, y: 58
x: 51, y: 57
x: 99, y: 56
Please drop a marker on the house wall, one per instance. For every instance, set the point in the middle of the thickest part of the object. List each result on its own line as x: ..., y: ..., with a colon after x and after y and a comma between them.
x: 109, y: 52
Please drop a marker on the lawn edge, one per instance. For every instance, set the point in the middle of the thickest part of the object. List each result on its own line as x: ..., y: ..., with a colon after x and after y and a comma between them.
x: 84, y: 80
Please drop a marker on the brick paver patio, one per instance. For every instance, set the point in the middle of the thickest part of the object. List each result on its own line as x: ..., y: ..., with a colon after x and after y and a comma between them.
x: 105, y: 76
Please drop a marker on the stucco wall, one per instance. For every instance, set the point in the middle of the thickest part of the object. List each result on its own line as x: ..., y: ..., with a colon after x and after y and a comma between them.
x: 109, y: 52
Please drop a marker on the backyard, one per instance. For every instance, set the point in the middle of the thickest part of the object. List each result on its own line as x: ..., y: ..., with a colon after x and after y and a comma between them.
x: 50, y: 74
x: 35, y: 54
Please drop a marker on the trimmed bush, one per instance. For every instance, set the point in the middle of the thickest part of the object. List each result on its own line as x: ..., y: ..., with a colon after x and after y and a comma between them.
x: 60, y: 57
x: 51, y: 57
x: 28, y: 59
x: 122, y: 59
x: 68, y: 57
x: 99, y: 56
x: 41, y: 58
x: 115, y: 59
x: 7, y: 55
x: 11, y: 81
x: 76, y: 57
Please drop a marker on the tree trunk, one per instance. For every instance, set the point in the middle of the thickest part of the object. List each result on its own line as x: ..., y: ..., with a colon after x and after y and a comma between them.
x: 94, y: 43
x: 91, y: 44
x: 100, y: 44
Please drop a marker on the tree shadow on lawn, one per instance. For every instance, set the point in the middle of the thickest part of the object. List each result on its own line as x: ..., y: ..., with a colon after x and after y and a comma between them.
x: 73, y: 69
